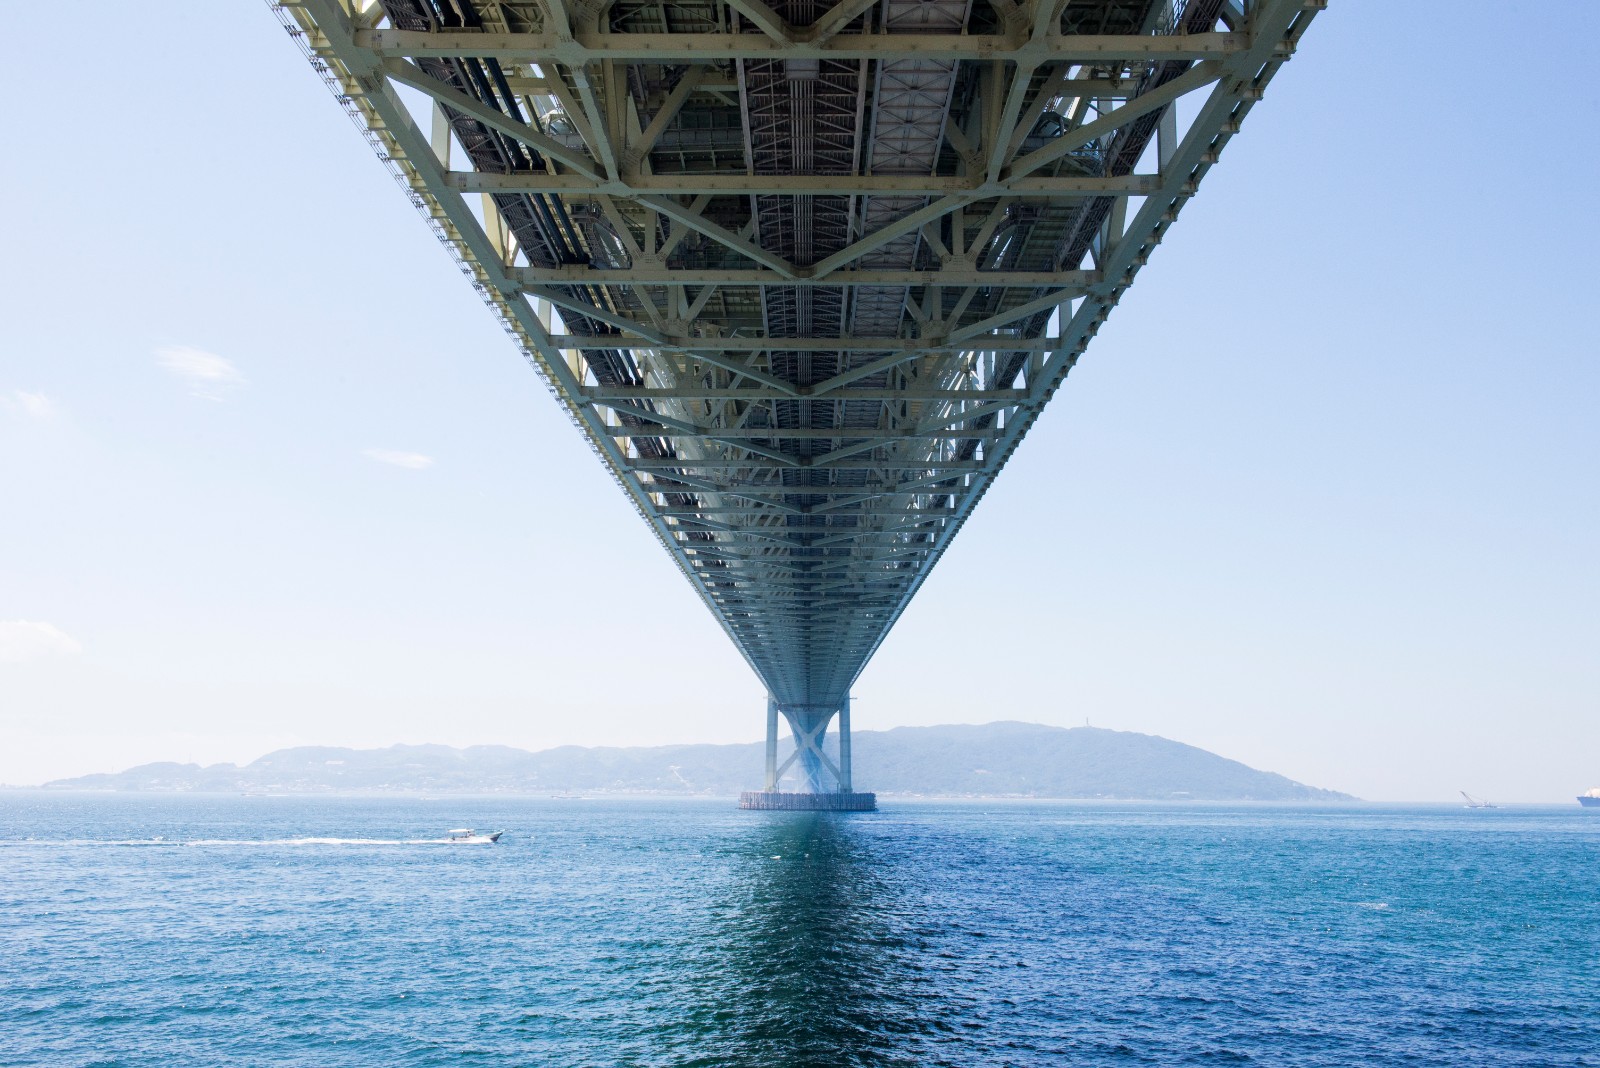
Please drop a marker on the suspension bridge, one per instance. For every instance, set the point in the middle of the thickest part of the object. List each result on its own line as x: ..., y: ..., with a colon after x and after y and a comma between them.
x: 803, y: 272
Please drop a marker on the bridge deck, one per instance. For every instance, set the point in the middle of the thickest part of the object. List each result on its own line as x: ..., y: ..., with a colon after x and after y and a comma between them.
x: 803, y: 273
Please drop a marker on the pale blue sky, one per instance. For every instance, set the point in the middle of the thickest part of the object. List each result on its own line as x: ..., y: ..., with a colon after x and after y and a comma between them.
x: 1322, y: 497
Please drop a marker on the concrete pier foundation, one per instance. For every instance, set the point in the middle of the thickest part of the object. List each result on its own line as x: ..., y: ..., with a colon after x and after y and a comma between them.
x: 828, y: 781
x: 780, y: 801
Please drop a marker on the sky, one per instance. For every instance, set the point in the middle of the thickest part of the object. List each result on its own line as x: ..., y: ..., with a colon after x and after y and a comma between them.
x: 1323, y: 496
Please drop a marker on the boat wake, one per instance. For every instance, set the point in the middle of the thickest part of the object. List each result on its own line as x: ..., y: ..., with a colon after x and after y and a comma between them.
x: 320, y: 842
x: 89, y: 843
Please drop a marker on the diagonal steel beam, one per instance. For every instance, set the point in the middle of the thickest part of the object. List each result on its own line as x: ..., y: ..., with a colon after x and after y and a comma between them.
x: 833, y: 21
x: 621, y: 322
x: 727, y: 238
x: 767, y: 20
x: 640, y: 150
x: 906, y: 224
x: 1196, y: 77
x: 409, y: 74
x: 1011, y: 315
x: 605, y: 132
x: 684, y: 427
x: 744, y: 370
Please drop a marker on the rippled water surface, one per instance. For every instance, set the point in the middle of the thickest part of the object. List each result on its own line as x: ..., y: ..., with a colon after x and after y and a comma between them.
x: 338, y: 931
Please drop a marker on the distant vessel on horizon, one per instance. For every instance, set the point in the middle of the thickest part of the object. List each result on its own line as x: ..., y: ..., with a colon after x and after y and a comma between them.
x: 1590, y: 799
x: 1477, y: 802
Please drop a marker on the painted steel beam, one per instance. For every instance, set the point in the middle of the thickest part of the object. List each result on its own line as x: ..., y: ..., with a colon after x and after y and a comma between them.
x: 586, y: 48
x: 752, y: 396
x: 650, y: 463
x: 803, y: 433
x: 1049, y: 187
x: 792, y: 524
x: 702, y: 345
x: 662, y: 275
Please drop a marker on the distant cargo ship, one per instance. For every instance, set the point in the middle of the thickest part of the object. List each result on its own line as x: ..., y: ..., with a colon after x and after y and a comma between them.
x: 1590, y: 799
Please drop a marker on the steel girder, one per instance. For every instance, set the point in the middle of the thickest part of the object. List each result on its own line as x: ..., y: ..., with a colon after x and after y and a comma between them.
x: 803, y: 274
x: 592, y: 47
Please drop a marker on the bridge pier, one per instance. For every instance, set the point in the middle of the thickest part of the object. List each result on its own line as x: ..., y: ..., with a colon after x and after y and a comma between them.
x: 828, y: 783
x: 771, y: 782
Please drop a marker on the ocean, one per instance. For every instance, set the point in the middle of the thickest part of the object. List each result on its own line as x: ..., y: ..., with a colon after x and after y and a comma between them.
x: 191, y: 930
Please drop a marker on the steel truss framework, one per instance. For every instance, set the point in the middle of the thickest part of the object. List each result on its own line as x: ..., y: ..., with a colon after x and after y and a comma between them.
x: 803, y: 271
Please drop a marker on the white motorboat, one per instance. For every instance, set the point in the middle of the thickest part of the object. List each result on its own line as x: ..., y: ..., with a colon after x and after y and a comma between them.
x: 468, y: 836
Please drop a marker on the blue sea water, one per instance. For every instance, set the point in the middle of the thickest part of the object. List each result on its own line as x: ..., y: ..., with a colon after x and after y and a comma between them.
x: 187, y: 930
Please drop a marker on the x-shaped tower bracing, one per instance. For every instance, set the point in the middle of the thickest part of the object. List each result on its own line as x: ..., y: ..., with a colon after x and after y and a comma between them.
x: 802, y: 272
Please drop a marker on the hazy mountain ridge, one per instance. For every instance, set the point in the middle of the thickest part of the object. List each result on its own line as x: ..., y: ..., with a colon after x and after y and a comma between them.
x: 1007, y: 759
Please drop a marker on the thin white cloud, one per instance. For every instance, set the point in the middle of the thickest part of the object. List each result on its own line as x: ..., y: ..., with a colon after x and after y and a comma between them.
x: 22, y: 640
x: 32, y: 405
x: 411, y: 461
x: 207, y: 374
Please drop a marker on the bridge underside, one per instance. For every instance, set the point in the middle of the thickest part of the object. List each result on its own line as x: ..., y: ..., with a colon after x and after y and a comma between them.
x: 803, y: 272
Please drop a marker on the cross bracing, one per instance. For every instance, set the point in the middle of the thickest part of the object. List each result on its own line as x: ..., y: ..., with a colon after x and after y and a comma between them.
x: 804, y: 272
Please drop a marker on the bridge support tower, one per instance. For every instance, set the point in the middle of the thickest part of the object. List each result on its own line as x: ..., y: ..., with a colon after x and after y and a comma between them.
x: 828, y: 785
